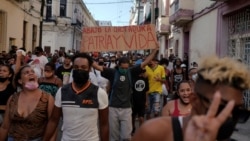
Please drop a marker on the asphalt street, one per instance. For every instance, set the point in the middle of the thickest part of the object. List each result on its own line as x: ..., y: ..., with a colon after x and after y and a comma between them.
x: 243, y: 132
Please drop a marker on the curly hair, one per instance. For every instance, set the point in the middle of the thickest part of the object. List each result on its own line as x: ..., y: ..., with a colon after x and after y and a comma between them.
x: 225, y: 70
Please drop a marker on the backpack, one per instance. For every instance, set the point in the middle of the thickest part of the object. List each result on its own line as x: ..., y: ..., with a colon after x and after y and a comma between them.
x: 115, y: 80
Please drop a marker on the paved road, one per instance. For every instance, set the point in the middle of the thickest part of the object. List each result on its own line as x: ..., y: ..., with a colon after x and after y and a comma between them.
x: 243, y: 133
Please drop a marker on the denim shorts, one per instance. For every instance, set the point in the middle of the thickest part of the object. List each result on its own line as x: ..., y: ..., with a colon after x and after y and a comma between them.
x: 154, y: 103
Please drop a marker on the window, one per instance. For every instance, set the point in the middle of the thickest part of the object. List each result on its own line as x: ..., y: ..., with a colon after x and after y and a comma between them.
x: 49, y: 10
x: 62, y: 49
x: 2, y: 29
x: 24, y: 33
x: 47, y: 49
x: 63, y: 4
x: 176, y: 5
x: 11, y: 42
x: 34, y: 36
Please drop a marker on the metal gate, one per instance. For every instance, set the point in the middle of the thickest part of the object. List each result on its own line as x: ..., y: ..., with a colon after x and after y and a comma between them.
x: 239, y: 41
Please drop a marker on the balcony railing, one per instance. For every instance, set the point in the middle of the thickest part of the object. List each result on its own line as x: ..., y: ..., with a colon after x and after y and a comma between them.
x: 63, y: 21
x: 181, y: 12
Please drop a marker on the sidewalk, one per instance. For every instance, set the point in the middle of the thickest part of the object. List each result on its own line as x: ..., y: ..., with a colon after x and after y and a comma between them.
x: 243, y: 133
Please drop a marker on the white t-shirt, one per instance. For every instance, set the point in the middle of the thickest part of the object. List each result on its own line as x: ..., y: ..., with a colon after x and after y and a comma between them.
x: 111, y: 65
x: 102, y: 82
x: 81, y: 124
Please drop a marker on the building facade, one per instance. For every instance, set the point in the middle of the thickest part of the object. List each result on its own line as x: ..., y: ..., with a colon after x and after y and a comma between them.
x: 212, y: 27
x: 19, y: 24
x: 63, y: 24
x: 160, y: 20
x: 103, y: 23
x: 136, y: 13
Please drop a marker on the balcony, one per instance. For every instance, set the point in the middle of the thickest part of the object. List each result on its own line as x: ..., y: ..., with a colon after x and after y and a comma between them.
x: 162, y: 25
x: 63, y: 21
x: 181, y: 12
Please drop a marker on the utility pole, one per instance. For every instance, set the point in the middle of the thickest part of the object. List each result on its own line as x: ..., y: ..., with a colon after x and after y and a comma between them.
x: 152, y: 11
x: 41, y: 22
x: 139, y: 11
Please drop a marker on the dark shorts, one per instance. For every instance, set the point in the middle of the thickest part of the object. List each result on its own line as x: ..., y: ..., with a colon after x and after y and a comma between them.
x: 138, y: 109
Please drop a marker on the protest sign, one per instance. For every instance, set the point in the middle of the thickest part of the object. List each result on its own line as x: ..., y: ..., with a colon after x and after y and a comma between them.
x: 124, y: 38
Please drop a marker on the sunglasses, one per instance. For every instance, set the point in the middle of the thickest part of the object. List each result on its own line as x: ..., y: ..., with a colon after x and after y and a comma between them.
x: 239, y: 113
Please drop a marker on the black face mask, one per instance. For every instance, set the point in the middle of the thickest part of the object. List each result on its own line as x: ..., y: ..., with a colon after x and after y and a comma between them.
x: 178, y: 65
x: 227, y: 127
x: 2, y: 79
x: 36, y: 52
x: 101, y: 63
x: 80, y: 77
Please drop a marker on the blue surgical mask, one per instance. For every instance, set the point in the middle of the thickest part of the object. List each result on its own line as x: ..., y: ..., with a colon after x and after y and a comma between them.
x: 123, y: 71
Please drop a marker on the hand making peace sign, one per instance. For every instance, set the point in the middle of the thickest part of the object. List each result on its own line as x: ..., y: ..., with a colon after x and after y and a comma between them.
x: 205, y: 127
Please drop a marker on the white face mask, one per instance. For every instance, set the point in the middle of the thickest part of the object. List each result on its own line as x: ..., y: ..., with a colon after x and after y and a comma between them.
x: 31, y: 85
x: 195, y: 76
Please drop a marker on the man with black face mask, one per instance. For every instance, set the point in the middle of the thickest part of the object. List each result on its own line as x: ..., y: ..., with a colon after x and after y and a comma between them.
x: 217, y: 79
x: 84, y: 106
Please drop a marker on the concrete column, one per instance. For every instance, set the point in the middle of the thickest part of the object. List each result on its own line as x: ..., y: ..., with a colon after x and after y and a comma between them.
x: 162, y: 42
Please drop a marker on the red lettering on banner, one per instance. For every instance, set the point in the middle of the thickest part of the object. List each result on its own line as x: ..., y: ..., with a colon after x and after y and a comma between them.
x: 141, y: 36
x: 151, y: 38
x: 142, y: 29
x: 91, y: 42
x: 96, y: 42
x: 116, y: 40
x: 149, y: 28
x: 101, y: 42
x: 109, y: 42
x: 131, y: 41
x: 131, y: 29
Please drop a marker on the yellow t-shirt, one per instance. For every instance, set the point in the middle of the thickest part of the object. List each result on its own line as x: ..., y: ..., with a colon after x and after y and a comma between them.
x: 158, y: 72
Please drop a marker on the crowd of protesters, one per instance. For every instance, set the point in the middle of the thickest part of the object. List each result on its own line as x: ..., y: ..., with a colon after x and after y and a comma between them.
x: 100, y: 97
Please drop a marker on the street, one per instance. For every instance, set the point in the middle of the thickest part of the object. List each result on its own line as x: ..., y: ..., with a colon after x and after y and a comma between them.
x: 243, y: 133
